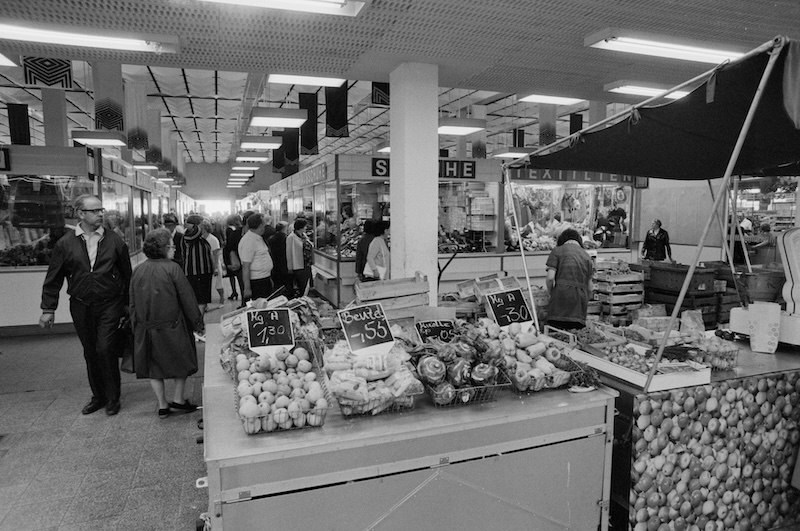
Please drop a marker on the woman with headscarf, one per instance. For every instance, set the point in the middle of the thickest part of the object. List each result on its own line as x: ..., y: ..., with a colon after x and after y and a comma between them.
x: 164, y: 312
x: 198, y: 263
x: 569, y: 281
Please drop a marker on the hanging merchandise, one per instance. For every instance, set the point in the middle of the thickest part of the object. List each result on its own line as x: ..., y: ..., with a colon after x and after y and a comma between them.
x: 37, y: 204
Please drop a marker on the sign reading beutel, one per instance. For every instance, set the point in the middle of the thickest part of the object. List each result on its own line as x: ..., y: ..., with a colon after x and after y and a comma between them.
x: 367, y: 329
x: 509, y: 307
x: 269, y: 330
x: 441, y: 330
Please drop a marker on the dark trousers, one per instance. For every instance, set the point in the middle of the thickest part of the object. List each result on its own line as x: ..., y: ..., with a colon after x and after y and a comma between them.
x: 234, y: 277
x: 96, y: 325
x: 261, y: 288
x: 283, y: 280
x: 300, y: 279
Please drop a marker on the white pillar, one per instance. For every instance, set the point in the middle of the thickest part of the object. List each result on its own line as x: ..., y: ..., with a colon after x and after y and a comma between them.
x: 597, y: 111
x: 54, y: 110
x: 414, y: 190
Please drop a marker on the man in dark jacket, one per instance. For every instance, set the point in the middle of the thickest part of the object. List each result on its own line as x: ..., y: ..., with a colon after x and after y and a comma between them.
x: 280, y: 271
x: 97, y: 267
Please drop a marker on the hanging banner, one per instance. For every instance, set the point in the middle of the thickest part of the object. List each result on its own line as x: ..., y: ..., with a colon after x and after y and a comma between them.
x: 291, y: 151
x: 279, y: 155
x: 380, y: 93
x: 47, y: 72
x: 108, y: 96
x: 136, y: 115
x: 153, y: 153
x: 336, y: 111
x: 18, y: 125
x: 309, y: 143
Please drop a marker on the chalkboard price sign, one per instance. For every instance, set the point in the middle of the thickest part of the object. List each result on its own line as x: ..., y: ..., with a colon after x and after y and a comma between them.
x: 269, y: 328
x: 366, y: 327
x: 508, y: 307
x: 442, y: 330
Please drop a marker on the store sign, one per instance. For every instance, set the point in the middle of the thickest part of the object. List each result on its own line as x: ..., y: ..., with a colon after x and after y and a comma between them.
x: 367, y: 329
x: 314, y: 175
x: 508, y: 307
x: 448, y: 168
x: 269, y: 329
x: 441, y: 330
x: 573, y: 176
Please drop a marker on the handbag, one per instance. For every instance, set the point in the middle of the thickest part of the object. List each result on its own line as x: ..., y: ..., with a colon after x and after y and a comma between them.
x: 125, y: 338
x: 380, y: 273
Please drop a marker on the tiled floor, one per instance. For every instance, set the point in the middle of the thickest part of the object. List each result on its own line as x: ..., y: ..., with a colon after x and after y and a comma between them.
x: 63, y: 471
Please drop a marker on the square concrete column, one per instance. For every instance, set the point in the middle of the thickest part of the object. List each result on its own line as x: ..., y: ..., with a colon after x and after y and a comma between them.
x: 414, y: 187
x: 54, y: 110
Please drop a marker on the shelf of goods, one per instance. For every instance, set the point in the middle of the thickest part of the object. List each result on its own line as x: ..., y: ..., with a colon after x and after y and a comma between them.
x: 722, y: 452
x: 399, y: 471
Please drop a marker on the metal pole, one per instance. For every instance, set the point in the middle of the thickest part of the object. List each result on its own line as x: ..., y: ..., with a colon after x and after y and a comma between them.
x: 510, y: 200
x: 725, y: 252
x: 777, y: 45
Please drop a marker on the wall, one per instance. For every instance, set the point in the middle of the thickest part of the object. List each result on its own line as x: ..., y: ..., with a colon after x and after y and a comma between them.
x: 206, y: 181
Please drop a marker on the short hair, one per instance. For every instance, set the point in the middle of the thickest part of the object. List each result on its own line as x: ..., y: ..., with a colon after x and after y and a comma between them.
x: 369, y: 226
x: 232, y: 219
x: 657, y: 222
x: 281, y: 226
x: 300, y: 224
x: 254, y: 220
x: 246, y: 215
x: 80, y: 201
x: 569, y: 234
x: 156, y: 243
x: 170, y: 219
x: 206, y: 224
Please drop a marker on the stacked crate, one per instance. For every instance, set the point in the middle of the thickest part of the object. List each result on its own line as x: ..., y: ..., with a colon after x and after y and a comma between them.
x: 401, y: 298
x: 666, y: 281
x: 618, y: 293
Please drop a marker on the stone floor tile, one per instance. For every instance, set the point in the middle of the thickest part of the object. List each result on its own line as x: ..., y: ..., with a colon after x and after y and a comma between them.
x: 96, y: 506
x: 35, y: 516
x: 51, y: 488
x: 60, y: 465
x: 124, y: 456
x: 158, y: 473
x: 147, y: 522
x: 101, y: 524
x: 102, y: 481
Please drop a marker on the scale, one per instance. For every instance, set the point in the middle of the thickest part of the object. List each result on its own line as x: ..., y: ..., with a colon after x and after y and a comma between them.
x: 789, y: 245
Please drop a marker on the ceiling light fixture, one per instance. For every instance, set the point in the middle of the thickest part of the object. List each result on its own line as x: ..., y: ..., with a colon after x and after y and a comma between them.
x: 349, y: 8
x: 100, y: 138
x: 511, y: 152
x: 244, y: 168
x: 460, y: 126
x: 556, y: 100
x: 287, y: 79
x: 636, y: 88
x: 244, y: 156
x: 622, y: 40
x: 237, y: 174
x: 136, y: 43
x: 383, y: 147
x: 5, y: 61
x: 144, y: 166
x: 238, y: 180
x: 277, y: 117
x: 260, y: 142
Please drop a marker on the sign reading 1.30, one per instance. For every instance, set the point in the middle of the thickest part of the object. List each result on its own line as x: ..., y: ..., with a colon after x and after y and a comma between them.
x: 269, y: 328
x: 508, y: 307
x: 366, y: 327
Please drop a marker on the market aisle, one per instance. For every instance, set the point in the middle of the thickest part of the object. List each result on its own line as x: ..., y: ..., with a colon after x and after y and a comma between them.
x: 63, y: 471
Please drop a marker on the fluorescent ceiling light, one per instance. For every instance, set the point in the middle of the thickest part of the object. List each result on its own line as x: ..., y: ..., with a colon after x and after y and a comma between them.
x: 100, y: 138
x: 556, y: 100
x: 640, y: 89
x: 348, y: 8
x: 460, y: 126
x: 286, y: 79
x: 383, y: 147
x: 233, y: 186
x: 277, y: 117
x: 136, y: 43
x: 235, y: 174
x: 260, y: 142
x: 245, y: 168
x: 166, y: 179
x: 622, y: 40
x: 5, y: 61
x: 238, y: 180
x: 145, y: 166
x: 244, y: 156
x: 511, y: 152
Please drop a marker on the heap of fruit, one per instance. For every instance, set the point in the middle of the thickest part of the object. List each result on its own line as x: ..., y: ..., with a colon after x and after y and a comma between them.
x: 718, y: 353
x: 716, y: 456
x: 279, y: 392
x: 629, y: 357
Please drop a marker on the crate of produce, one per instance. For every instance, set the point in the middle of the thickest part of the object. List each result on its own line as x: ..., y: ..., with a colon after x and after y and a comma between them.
x: 484, y: 287
x: 563, y: 338
x: 621, y: 299
x: 445, y: 394
x: 617, y: 277
x: 670, y: 278
x: 399, y: 297
x: 604, y: 286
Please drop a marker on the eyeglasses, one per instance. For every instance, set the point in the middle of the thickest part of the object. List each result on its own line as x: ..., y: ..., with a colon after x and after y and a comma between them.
x: 94, y: 210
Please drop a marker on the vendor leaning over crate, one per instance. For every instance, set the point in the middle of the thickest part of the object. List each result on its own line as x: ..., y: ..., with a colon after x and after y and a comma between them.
x: 569, y: 280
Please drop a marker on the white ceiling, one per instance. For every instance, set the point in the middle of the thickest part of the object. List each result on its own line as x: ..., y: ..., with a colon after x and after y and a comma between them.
x: 488, y: 53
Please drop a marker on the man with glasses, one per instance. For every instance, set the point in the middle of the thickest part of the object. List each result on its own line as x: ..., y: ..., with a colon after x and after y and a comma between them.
x: 97, y: 267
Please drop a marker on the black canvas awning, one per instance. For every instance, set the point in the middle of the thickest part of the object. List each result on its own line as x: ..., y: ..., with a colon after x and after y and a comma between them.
x: 693, y: 138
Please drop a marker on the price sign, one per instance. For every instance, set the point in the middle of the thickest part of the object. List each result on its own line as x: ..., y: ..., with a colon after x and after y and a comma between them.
x: 269, y: 329
x: 509, y: 307
x: 442, y: 330
x: 367, y: 329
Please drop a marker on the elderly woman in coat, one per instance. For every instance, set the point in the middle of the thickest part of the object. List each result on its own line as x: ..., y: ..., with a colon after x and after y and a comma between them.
x: 164, y: 312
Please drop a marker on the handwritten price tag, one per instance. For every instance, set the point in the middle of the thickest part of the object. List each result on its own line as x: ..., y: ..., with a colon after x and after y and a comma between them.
x: 509, y: 307
x: 366, y: 329
x: 442, y: 330
x: 269, y: 328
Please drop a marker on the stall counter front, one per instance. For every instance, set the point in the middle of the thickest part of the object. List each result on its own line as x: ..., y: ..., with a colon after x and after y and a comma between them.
x: 537, y: 462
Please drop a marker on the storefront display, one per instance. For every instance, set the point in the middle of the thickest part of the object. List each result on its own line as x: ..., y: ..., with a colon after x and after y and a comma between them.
x: 468, y: 216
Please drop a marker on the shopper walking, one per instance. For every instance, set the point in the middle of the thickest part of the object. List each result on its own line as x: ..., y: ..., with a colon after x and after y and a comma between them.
x: 256, y: 261
x: 656, y: 243
x: 164, y: 312
x: 207, y: 228
x: 362, y: 247
x: 378, y: 256
x: 171, y: 224
x: 230, y: 254
x: 569, y: 281
x: 280, y: 271
x: 299, y: 257
x: 198, y: 262
x: 97, y: 267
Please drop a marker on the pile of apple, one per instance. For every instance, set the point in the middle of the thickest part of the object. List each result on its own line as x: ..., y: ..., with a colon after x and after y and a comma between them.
x: 279, y: 392
x: 716, y: 457
x: 717, y: 353
x: 628, y: 357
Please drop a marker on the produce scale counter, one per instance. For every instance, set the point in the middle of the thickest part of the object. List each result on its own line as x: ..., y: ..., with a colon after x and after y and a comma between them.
x: 540, y: 461
x: 746, y: 419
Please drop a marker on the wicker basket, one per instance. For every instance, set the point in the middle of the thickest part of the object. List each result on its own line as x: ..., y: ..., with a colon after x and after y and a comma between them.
x: 473, y: 394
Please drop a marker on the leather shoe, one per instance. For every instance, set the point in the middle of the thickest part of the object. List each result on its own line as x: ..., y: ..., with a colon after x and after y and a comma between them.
x: 187, y: 406
x: 112, y: 408
x: 93, y: 405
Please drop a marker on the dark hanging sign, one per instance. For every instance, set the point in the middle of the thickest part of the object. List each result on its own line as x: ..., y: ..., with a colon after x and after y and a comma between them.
x: 448, y: 168
x: 508, y: 307
x: 336, y: 111
x: 5, y: 159
x: 442, y: 330
x: 366, y: 328
x: 269, y: 328
x: 309, y: 143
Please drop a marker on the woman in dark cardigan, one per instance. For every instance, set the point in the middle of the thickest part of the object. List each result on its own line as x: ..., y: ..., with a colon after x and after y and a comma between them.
x: 164, y: 313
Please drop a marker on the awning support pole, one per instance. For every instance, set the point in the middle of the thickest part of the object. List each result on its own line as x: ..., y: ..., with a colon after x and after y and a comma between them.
x: 776, y: 46
x: 725, y: 252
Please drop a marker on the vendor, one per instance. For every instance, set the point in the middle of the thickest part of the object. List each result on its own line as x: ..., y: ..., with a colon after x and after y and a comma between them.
x: 656, y: 243
x: 569, y: 281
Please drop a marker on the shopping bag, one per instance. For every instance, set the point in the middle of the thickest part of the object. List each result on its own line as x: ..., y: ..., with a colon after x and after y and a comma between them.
x: 380, y: 273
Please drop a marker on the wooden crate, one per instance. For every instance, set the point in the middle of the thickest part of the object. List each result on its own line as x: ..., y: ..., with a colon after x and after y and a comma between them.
x: 604, y: 276
x: 614, y: 287
x: 399, y: 297
x: 670, y: 277
x: 615, y: 299
x: 689, y: 301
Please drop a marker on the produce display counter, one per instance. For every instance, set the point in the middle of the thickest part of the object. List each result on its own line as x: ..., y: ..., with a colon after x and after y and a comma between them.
x: 541, y: 461
x: 746, y: 419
